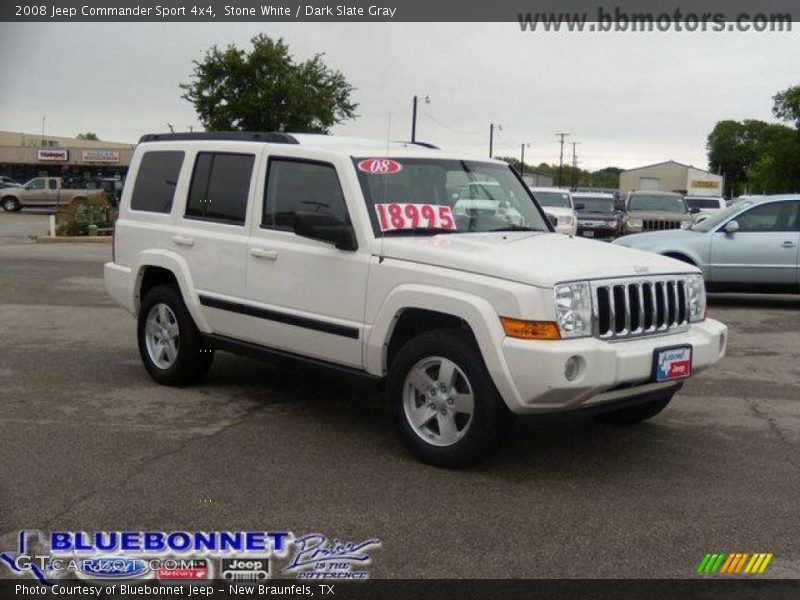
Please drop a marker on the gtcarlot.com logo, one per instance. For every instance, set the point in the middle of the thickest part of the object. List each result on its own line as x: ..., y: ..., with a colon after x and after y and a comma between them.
x: 723, y: 563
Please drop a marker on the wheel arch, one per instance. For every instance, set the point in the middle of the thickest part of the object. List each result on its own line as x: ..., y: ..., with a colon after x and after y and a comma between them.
x: 162, y: 267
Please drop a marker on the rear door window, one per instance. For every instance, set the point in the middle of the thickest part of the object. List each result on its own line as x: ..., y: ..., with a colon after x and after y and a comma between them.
x: 220, y: 187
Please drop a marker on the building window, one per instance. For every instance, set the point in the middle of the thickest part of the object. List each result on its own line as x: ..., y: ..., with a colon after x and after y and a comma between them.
x: 156, y: 180
x: 220, y: 187
x: 301, y: 186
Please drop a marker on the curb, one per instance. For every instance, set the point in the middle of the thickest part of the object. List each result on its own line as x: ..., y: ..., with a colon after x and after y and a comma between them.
x: 81, y: 239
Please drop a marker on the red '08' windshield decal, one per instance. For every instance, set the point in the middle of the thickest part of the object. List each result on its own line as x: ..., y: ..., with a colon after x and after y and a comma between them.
x: 394, y: 216
x: 380, y: 166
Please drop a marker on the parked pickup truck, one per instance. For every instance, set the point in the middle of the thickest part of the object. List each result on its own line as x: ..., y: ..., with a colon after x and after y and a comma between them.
x: 42, y: 192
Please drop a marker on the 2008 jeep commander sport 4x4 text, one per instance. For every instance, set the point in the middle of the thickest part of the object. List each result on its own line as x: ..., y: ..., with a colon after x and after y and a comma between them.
x: 366, y: 257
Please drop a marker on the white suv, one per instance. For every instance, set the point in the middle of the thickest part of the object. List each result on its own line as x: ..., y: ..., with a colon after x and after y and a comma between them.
x: 349, y: 254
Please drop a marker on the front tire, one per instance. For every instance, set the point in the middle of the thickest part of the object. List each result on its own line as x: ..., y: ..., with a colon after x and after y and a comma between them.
x: 633, y: 415
x: 448, y: 412
x: 11, y: 204
x: 169, y: 343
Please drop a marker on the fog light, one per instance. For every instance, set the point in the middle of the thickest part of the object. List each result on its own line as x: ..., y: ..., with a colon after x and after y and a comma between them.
x: 572, y: 368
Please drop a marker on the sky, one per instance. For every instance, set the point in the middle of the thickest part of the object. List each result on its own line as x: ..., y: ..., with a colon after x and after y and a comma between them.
x: 627, y: 99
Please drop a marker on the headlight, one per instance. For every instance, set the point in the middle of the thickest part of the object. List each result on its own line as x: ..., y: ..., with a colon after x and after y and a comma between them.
x: 565, y: 220
x: 635, y: 223
x: 686, y: 224
x: 574, y: 309
x: 696, y: 291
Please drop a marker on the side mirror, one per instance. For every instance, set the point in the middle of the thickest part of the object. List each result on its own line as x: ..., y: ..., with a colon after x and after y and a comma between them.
x: 731, y: 227
x: 580, y: 206
x: 553, y: 219
x: 325, y: 228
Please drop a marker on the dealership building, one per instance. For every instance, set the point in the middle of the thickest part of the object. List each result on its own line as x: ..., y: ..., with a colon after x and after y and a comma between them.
x: 671, y: 176
x: 24, y: 156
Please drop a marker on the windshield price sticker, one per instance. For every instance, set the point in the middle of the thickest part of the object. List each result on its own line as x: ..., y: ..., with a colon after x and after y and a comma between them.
x: 380, y: 166
x: 396, y: 216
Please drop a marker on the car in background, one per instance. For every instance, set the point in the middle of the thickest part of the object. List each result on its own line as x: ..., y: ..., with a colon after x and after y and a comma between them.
x: 655, y: 211
x: 598, y: 216
x: 704, y: 205
x: 486, y: 199
x: 559, y: 207
x: 750, y: 246
x: 43, y: 192
x: 7, y: 182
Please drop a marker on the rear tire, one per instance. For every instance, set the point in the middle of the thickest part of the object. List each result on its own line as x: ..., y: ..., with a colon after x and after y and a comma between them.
x: 170, y: 345
x: 633, y: 415
x: 11, y: 204
x: 447, y: 410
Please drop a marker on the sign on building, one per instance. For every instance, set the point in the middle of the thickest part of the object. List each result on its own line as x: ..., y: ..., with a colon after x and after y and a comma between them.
x: 52, y: 155
x: 100, y: 156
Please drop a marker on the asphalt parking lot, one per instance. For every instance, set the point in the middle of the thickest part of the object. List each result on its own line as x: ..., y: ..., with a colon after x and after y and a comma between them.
x: 89, y: 442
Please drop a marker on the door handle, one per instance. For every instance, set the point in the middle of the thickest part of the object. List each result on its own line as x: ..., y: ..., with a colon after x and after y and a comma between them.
x: 183, y: 241
x: 788, y: 244
x: 265, y: 254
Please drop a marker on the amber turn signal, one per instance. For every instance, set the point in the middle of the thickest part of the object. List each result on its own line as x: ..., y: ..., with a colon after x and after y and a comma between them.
x: 530, y: 330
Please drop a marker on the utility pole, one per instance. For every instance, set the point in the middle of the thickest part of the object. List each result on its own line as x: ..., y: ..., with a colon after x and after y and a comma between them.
x: 492, y: 127
x: 574, y: 167
x: 561, y: 158
x: 427, y: 100
x: 522, y: 157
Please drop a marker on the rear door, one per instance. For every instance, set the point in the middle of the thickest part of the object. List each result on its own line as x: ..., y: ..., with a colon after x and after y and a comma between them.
x: 211, y: 231
x: 763, y: 251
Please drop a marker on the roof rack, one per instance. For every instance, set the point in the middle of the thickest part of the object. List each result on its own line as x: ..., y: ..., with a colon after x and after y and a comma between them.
x: 421, y: 144
x: 235, y: 136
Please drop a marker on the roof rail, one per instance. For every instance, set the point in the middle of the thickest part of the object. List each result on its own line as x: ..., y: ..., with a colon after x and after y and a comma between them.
x: 236, y: 136
x: 421, y: 144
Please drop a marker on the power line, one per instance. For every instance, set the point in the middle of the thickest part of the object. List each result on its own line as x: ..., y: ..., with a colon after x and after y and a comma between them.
x: 446, y: 126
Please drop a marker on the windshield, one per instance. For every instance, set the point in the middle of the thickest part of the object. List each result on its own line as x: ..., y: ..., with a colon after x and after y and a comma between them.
x: 602, y: 205
x: 719, y: 216
x: 419, y: 195
x: 647, y: 202
x: 702, y: 202
x: 554, y: 199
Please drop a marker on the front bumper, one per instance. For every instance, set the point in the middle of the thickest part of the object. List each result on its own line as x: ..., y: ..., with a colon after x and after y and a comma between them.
x: 610, y: 371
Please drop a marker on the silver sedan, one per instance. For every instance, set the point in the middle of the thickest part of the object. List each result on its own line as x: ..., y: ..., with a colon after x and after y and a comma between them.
x: 751, y: 246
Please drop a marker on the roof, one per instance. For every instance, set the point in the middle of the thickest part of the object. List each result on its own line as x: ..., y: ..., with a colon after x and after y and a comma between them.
x: 668, y: 162
x: 550, y: 189
x: 598, y: 195
x: 20, y: 139
x: 654, y: 193
x: 352, y: 146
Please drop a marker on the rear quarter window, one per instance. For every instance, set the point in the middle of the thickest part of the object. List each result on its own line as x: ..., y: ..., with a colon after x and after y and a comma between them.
x: 156, y: 180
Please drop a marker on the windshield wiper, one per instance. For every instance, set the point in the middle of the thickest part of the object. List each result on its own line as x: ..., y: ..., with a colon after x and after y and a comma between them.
x: 419, y: 231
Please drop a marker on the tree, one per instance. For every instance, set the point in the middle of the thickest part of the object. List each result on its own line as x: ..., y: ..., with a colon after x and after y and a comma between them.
x: 734, y: 147
x: 787, y: 105
x: 777, y: 169
x: 607, y: 177
x: 89, y: 135
x: 266, y: 90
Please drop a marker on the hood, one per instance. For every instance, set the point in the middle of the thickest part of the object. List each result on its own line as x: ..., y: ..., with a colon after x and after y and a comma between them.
x: 659, y: 215
x: 558, y: 211
x: 540, y: 259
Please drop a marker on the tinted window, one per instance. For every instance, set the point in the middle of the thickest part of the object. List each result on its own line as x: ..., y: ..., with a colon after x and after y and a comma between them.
x: 702, y: 202
x: 155, y: 184
x: 220, y: 186
x: 299, y: 186
x: 52, y: 184
x: 775, y: 216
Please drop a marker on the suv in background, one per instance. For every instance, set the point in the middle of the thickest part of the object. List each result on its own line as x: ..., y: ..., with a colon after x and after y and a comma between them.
x: 558, y: 204
x: 349, y: 254
x: 598, y: 216
x: 655, y: 211
x: 704, y: 205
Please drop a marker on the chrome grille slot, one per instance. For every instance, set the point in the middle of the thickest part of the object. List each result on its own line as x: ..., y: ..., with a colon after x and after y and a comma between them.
x: 624, y: 308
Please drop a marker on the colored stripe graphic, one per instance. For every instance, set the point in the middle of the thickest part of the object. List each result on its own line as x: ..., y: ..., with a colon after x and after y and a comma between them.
x: 733, y: 563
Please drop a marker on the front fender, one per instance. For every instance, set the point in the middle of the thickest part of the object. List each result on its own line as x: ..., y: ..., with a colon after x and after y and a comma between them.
x: 477, y: 312
x: 180, y: 268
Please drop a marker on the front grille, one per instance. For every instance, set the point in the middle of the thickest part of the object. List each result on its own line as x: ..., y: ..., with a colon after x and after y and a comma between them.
x: 659, y: 225
x: 633, y: 307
